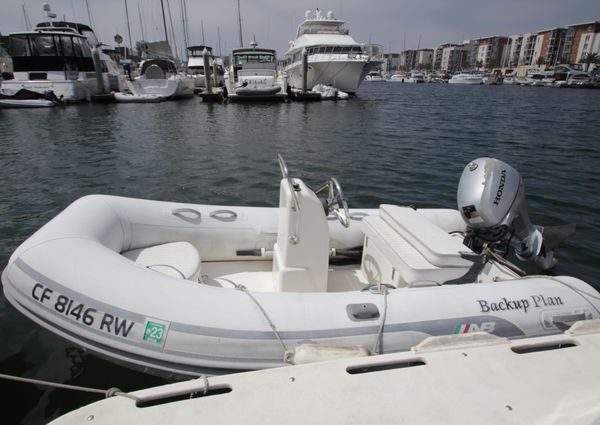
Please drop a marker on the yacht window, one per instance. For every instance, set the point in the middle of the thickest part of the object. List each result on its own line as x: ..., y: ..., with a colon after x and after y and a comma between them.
x: 19, y: 46
x: 77, y: 50
x: 43, y: 45
x: 66, y: 46
x: 86, y: 50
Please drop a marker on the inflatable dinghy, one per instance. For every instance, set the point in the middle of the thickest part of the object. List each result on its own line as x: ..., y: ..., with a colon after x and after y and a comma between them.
x: 128, y: 97
x: 187, y: 289
x: 28, y: 99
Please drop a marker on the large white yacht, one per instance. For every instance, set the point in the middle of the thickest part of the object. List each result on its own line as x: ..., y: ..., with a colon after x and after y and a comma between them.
x: 333, y: 56
x: 59, y: 56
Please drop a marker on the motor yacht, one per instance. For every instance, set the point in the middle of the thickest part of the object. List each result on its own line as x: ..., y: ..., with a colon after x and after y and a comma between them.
x: 466, y: 77
x: 253, y: 75
x: 62, y: 57
x: 331, y: 56
x: 195, y: 66
x: 374, y: 76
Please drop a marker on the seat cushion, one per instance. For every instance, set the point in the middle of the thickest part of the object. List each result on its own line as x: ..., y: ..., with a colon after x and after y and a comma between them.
x: 176, y: 259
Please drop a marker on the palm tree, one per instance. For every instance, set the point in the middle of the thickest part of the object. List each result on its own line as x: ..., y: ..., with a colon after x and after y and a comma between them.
x: 590, y: 58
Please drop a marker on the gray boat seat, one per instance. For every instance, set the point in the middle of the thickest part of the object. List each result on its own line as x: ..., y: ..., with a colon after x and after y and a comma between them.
x: 175, y: 259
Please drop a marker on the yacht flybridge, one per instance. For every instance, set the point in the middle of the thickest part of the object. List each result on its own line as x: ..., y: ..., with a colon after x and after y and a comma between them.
x: 330, y: 55
x: 187, y: 289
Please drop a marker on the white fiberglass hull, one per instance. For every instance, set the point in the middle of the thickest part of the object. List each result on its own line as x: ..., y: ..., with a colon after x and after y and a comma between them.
x: 170, y: 88
x: 474, y: 81
x: 68, y: 90
x: 75, y: 277
x: 344, y: 74
x: 532, y: 380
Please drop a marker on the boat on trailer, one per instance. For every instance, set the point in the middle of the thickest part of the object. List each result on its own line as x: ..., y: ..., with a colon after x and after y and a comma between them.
x: 186, y: 289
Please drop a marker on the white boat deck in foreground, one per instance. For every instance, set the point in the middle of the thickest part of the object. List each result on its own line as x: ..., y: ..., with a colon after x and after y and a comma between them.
x: 460, y: 379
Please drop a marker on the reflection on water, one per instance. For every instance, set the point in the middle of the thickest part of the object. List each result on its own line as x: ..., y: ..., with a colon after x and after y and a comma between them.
x: 395, y: 143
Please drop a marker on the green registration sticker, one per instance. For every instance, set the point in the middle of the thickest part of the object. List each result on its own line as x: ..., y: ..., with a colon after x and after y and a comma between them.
x: 155, y: 332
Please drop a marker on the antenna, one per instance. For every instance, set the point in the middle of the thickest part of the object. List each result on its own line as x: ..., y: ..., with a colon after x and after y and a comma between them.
x: 202, y: 28
x: 47, y: 12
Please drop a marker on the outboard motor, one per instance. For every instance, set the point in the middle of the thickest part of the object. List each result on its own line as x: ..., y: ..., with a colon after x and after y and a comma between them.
x: 491, y: 200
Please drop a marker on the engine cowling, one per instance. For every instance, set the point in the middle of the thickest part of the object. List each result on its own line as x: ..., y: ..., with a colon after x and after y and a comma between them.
x: 491, y: 200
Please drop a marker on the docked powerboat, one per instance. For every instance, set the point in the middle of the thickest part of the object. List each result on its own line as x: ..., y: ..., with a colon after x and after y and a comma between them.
x: 398, y: 77
x: 61, y: 57
x: 160, y: 77
x: 564, y: 75
x: 186, y: 289
x: 253, y: 75
x: 374, y: 76
x: 330, y: 55
x: 535, y: 78
x: 410, y: 77
x: 548, y: 379
x: 195, y: 67
x: 466, y: 77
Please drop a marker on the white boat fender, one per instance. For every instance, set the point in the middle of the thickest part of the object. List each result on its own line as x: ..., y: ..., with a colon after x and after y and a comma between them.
x: 312, y: 353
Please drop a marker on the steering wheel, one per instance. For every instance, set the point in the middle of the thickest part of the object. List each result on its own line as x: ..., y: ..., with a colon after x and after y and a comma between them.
x: 335, y: 202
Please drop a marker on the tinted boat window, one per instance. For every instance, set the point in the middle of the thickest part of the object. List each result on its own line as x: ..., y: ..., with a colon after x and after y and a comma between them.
x: 43, y: 45
x: 66, y: 46
x: 19, y: 46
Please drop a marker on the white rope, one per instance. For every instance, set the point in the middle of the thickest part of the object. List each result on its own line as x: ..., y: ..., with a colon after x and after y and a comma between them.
x: 271, y: 324
x: 107, y: 393
x: 378, y: 346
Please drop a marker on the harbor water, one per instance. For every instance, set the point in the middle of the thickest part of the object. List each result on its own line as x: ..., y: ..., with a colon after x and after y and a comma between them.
x: 393, y: 143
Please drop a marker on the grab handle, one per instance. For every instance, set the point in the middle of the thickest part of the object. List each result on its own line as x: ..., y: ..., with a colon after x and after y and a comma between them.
x: 187, y: 214
x: 224, y: 215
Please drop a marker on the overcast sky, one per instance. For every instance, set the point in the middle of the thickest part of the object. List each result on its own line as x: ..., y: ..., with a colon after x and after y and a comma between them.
x: 395, y: 24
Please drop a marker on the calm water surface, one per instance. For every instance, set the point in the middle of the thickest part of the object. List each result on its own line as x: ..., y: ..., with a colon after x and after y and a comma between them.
x: 394, y: 143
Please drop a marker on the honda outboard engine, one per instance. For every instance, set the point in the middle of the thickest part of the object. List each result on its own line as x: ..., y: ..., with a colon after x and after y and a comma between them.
x: 491, y: 200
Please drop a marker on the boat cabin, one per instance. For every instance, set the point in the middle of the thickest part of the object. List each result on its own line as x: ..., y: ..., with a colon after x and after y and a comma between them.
x: 252, y: 58
x: 38, y: 52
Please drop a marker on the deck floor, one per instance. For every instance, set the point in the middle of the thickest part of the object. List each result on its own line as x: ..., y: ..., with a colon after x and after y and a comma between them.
x: 258, y: 276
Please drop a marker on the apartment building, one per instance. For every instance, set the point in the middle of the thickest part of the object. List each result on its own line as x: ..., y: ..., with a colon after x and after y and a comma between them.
x: 454, y: 58
x: 488, y: 51
x: 549, y: 46
x: 424, y: 59
x: 581, y: 39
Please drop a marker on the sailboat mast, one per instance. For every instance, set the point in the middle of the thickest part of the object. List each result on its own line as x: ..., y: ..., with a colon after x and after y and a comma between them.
x: 162, y: 6
x: 240, y: 24
x: 128, y: 29
x: 26, y: 17
x: 141, y: 22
